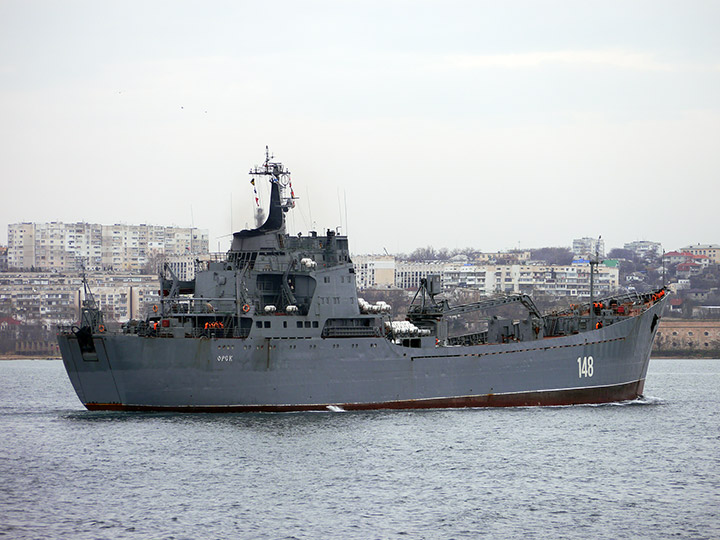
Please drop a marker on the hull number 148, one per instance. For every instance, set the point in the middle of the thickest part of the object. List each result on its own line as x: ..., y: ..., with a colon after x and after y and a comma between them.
x: 585, y: 366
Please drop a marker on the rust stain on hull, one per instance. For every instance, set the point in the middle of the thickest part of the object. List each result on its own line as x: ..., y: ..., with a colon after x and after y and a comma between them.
x: 576, y: 396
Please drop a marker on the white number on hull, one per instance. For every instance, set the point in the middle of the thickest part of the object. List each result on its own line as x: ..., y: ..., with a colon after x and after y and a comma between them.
x: 225, y: 358
x: 585, y: 366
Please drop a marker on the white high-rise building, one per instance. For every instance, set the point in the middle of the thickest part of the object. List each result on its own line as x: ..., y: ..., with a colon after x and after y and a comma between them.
x: 121, y: 248
x: 586, y: 248
x: 644, y: 248
x: 571, y: 280
x: 374, y: 270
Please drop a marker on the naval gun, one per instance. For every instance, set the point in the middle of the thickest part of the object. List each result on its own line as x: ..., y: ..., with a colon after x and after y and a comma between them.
x: 427, y: 311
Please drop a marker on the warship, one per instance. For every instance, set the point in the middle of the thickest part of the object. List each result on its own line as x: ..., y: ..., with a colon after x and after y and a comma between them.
x: 276, y: 324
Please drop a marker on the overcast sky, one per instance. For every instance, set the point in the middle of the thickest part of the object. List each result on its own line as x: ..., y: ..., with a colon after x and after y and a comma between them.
x: 492, y: 125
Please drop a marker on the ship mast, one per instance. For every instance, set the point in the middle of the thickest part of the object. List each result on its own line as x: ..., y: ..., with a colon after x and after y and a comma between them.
x: 593, y: 263
x: 279, y: 175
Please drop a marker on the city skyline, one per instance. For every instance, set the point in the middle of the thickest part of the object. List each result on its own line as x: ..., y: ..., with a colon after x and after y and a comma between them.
x: 461, y: 124
x: 571, y: 244
x: 70, y: 246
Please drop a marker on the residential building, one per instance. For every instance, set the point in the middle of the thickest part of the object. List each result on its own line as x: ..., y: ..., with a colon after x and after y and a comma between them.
x: 55, y: 298
x: 21, y: 245
x: 58, y: 246
x: 409, y: 273
x: 558, y: 280
x: 685, y: 257
x: 374, y: 270
x: 687, y: 269
x: 586, y: 248
x: 568, y: 280
x: 644, y: 248
x: 3, y: 259
x: 183, y: 266
x: 711, y: 251
x: 515, y: 256
x: 677, y: 257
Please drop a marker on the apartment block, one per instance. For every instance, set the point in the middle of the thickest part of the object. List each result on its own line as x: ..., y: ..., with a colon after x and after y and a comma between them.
x: 557, y: 280
x: 60, y: 246
x: 374, y: 270
x: 55, y: 298
x: 515, y: 256
x: 644, y: 248
x: 711, y: 251
x: 587, y: 247
x: 409, y: 273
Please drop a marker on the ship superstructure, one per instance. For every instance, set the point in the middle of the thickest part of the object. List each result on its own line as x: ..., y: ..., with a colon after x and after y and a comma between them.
x: 277, y: 325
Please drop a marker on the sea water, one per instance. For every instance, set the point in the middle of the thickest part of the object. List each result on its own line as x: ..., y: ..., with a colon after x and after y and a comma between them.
x: 643, y: 469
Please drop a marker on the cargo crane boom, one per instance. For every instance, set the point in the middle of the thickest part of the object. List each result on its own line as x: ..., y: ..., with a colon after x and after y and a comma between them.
x: 430, y: 309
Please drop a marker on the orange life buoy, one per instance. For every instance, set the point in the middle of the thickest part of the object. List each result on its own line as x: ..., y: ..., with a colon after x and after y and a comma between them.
x: 155, y: 308
x: 101, y: 328
x: 246, y: 308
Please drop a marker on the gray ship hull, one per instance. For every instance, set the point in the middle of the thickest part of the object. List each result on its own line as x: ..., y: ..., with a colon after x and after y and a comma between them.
x: 136, y: 373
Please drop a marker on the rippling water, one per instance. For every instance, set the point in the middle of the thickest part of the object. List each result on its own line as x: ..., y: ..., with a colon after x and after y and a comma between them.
x: 646, y: 469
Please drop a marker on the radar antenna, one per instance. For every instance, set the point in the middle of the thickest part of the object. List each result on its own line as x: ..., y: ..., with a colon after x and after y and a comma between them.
x: 279, y: 175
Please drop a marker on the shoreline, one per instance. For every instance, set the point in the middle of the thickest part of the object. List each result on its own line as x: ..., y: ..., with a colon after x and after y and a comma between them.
x: 689, y: 355
x: 27, y: 357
